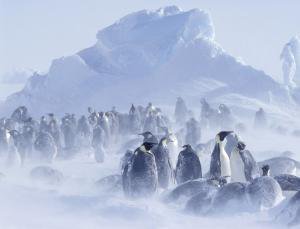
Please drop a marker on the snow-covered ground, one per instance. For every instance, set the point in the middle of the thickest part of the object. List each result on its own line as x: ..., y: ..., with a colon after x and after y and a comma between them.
x: 77, y: 202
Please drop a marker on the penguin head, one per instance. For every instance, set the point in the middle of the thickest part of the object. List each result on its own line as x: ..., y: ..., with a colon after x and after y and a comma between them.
x: 266, y: 170
x: 165, y: 140
x: 148, y: 145
x: 90, y: 110
x: 222, y: 181
x: 13, y: 133
x: 222, y: 135
x: 146, y: 134
x: 187, y: 147
x: 241, y: 145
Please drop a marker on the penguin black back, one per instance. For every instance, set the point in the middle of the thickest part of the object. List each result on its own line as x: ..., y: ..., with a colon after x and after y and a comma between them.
x: 188, y: 166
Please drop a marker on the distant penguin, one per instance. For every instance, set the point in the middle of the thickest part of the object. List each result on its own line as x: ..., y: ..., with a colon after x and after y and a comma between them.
x: 4, y: 140
x: 243, y: 166
x: 150, y: 123
x: 188, y: 165
x: 98, y: 141
x: 20, y: 144
x: 260, y: 120
x: 139, y: 176
x: 172, y: 145
x: 181, y: 111
x: 149, y: 137
x: 193, y: 132
x: 264, y: 192
x: 45, y: 145
x: 282, y: 165
x: 134, y: 120
x: 220, y: 163
x: 288, y: 182
x: 163, y: 163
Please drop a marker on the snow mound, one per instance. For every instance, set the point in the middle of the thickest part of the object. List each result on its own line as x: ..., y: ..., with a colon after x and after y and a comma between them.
x: 149, y: 56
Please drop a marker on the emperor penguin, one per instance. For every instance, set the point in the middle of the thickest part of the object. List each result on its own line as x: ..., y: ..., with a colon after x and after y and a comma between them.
x: 188, y: 165
x: 172, y: 144
x: 264, y: 192
x: 163, y: 163
x: 139, y: 176
x: 45, y: 145
x: 243, y: 166
x: 220, y: 162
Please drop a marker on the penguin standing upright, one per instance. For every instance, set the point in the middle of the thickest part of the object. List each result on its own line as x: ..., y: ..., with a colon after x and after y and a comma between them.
x: 98, y: 141
x: 243, y: 166
x: 20, y: 144
x: 188, y: 165
x: 140, y: 174
x: 220, y: 163
x: 4, y: 140
x: 172, y: 145
x: 45, y: 145
x: 163, y: 163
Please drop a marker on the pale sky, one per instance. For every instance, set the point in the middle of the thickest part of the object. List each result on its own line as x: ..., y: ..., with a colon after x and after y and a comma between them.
x: 33, y: 32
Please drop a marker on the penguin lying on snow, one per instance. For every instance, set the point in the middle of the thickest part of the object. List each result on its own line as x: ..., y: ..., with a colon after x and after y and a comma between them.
x: 46, y: 175
x: 264, y: 192
x: 111, y: 183
x: 290, y: 214
x: 220, y: 163
x: 200, y: 202
x: 288, y: 182
x: 139, y: 176
x: 282, y: 165
x: 188, y: 165
x: 229, y: 198
x: 189, y: 189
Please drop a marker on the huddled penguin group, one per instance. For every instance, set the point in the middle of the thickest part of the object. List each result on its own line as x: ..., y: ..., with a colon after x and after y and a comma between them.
x: 234, y: 183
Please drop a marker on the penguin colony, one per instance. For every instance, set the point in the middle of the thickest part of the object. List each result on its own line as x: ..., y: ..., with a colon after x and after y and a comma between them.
x: 157, y: 160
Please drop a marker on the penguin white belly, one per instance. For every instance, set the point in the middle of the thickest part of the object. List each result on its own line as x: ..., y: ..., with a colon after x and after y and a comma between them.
x: 225, y: 165
x: 173, y: 149
x: 237, y: 167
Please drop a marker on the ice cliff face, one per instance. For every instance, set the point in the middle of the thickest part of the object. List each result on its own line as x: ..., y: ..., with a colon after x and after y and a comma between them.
x: 149, y: 56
